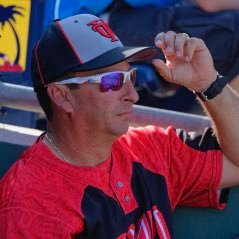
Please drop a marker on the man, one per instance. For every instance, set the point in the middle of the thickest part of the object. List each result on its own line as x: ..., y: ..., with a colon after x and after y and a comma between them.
x: 89, y: 175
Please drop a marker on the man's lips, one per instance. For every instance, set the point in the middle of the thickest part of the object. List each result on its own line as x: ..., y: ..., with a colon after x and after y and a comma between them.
x: 125, y: 113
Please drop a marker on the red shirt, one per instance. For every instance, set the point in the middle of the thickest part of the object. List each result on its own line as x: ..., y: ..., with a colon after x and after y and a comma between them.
x: 133, y: 193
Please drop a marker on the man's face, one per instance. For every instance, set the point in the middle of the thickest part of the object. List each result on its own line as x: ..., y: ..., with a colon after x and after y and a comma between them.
x: 106, y: 113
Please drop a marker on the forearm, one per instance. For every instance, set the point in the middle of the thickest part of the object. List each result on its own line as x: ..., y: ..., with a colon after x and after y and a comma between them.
x: 235, y: 83
x: 224, y: 111
x: 217, y: 5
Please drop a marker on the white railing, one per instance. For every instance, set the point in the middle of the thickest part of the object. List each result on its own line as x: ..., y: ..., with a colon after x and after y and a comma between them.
x: 24, y: 98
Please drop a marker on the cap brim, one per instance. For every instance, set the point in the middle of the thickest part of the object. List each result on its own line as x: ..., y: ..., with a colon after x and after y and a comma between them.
x: 117, y: 55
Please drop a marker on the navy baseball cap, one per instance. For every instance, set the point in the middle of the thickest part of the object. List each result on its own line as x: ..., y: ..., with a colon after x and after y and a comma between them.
x: 79, y: 43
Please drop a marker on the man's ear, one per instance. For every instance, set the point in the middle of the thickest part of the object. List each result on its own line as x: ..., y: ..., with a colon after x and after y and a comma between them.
x: 60, y: 96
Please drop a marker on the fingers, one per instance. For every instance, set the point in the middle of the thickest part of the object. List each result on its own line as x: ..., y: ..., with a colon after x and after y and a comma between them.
x: 180, y: 43
x: 192, y: 46
x: 188, y: 60
x: 177, y: 44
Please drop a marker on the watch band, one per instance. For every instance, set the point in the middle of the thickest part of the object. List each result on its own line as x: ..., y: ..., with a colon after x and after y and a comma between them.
x: 214, y: 89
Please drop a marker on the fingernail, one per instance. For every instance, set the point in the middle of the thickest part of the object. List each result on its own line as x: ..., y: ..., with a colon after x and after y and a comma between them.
x: 169, y: 49
x: 159, y: 43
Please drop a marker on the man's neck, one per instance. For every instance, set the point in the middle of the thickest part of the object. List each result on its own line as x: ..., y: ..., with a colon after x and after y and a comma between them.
x: 78, y: 149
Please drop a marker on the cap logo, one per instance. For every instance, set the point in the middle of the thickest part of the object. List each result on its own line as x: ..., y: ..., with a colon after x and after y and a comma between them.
x: 103, y: 29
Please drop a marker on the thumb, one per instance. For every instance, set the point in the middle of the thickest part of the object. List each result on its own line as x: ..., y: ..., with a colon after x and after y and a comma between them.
x: 162, y: 69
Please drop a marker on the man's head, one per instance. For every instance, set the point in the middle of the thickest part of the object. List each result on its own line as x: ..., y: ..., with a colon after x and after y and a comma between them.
x: 79, y: 43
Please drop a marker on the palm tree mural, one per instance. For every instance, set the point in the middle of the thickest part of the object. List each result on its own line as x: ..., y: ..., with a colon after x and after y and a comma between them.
x: 7, y: 15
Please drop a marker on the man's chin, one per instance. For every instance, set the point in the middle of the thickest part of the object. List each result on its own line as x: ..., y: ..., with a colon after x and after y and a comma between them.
x: 122, y: 130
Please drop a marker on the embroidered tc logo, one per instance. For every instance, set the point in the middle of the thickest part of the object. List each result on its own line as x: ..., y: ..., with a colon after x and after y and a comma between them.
x: 104, y: 30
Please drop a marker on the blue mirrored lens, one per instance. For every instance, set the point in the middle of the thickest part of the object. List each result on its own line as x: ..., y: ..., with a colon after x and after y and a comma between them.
x: 112, y: 82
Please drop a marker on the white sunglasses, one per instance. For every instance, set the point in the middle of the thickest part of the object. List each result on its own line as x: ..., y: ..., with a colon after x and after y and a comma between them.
x: 109, y: 81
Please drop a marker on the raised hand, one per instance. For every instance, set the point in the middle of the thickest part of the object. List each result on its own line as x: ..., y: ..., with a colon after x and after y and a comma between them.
x: 188, y: 61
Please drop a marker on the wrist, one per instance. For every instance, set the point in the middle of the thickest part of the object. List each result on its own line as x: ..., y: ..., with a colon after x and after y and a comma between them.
x: 214, y: 89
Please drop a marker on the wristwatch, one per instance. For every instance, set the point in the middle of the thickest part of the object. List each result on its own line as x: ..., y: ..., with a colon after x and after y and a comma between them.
x: 214, y: 89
